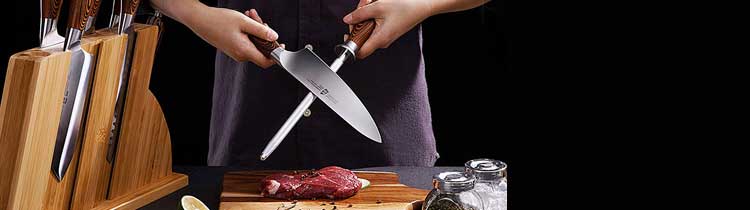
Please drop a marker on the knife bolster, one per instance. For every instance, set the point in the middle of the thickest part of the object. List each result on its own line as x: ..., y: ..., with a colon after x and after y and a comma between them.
x: 45, y: 26
x: 73, y: 38
x: 349, y: 48
x: 276, y: 54
x: 125, y: 22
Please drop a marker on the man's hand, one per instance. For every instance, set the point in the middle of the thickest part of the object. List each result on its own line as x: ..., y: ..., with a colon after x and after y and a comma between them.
x: 228, y: 31
x: 225, y: 29
x: 393, y: 18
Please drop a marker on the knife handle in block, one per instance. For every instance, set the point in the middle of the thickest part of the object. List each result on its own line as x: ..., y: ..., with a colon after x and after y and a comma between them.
x: 130, y: 6
x: 94, y: 8
x: 116, y: 6
x: 51, y: 8
x: 79, y: 10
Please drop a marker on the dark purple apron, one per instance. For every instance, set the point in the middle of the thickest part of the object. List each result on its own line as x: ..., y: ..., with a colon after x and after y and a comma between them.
x: 250, y: 104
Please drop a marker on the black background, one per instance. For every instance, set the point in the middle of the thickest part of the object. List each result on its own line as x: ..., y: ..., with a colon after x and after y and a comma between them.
x: 466, y: 53
x: 584, y: 100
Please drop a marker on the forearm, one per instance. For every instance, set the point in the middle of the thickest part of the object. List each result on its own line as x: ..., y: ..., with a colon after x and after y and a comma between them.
x: 179, y: 10
x: 445, y: 6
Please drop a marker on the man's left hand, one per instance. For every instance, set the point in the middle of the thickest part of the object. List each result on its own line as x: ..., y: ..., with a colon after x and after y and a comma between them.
x: 393, y: 18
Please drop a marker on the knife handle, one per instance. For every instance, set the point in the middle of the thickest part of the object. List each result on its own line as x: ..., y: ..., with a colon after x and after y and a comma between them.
x: 129, y: 6
x: 51, y: 8
x: 116, y: 7
x: 94, y: 8
x: 264, y: 46
x: 79, y: 10
x: 361, y: 31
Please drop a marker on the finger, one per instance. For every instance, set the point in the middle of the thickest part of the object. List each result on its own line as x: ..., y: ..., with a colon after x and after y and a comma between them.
x: 366, y: 50
x: 254, y: 15
x: 265, y: 63
x: 366, y: 12
x: 253, y: 55
x: 362, y: 3
x: 259, y: 30
x: 377, y: 40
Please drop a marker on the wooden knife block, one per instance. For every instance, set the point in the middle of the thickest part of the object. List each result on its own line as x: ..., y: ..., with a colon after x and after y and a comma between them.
x: 30, y: 112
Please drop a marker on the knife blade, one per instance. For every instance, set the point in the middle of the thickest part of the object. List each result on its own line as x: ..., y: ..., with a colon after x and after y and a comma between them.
x: 347, y: 51
x: 76, y: 90
x: 324, y: 83
x: 128, y: 8
x: 48, y: 35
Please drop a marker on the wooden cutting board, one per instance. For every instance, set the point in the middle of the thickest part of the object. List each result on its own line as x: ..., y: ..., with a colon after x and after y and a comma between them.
x: 240, y: 191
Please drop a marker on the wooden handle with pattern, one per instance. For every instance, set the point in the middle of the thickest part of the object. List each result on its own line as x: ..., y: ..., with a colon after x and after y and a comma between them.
x: 264, y: 46
x: 361, y: 31
x: 130, y: 6
x: 51, y: 8
x: 78, y: 14
x: 94, y: 8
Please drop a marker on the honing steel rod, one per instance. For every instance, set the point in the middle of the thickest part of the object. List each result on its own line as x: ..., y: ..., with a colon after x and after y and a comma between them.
x: 359, y: 34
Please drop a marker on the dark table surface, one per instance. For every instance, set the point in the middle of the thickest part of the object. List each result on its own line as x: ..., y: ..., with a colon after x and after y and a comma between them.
x: 205, y: 183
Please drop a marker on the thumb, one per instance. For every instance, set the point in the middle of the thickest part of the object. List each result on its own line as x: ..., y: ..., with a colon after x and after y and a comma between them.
x: 257, y: 29
x: 366, y: 12
x: 363, y: 3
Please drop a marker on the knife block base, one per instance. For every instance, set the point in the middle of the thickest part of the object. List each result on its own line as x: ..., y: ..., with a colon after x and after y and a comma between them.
x: 30, y: 111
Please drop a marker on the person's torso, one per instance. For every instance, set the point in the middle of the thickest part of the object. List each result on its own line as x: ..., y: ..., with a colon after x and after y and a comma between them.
x: 250, y: 104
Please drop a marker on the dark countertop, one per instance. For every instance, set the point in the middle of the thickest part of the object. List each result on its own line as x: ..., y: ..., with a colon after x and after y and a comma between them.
x: 205, y: 183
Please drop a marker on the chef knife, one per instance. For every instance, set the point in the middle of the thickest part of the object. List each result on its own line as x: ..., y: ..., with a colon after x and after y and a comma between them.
x: 128, y: 12
x: 358, y: 35
x: 48, y: 35
x: 309, y: 69
x: 91, y: 17
x: 76, y: 90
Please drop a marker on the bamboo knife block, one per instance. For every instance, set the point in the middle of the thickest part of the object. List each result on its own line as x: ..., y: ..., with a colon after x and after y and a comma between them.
x: 30, y: 112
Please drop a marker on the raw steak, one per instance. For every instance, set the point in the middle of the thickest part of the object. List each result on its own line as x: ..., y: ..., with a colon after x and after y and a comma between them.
x: 331, y: 182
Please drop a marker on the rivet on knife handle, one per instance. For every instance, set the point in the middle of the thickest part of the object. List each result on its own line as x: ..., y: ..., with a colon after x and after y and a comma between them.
x: 51, y: 8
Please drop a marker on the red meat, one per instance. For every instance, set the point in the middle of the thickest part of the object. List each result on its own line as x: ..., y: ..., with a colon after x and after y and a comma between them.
x: 331, y: 182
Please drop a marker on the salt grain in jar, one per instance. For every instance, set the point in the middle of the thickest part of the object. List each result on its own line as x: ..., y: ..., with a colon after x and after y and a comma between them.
x: 491, y: 183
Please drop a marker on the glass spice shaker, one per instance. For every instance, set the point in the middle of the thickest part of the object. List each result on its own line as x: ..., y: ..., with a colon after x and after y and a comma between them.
x: 452, y: 191
x: 491, y: 184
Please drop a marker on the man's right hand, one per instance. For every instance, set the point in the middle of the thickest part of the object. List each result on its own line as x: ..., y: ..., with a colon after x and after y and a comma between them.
x: 225, y: 29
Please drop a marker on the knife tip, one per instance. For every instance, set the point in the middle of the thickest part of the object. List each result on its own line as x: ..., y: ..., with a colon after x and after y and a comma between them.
x: 58, y: 176
x: 377, y: 138
x: 263, y: 157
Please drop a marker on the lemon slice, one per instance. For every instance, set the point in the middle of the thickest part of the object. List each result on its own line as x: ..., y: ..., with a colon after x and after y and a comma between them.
x: 192, y: 203
x: 365, y: 183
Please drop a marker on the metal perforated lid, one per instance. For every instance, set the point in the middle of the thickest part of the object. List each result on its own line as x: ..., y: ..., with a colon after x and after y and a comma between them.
x: 486, y: 169
x: 453, y: 181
